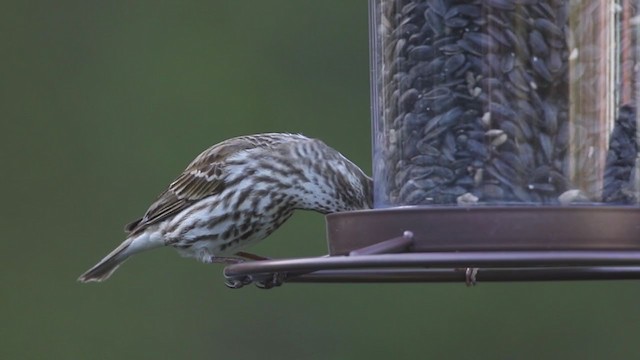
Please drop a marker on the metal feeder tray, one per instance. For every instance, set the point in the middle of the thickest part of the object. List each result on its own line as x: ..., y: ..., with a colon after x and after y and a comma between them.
x: 470, y: 244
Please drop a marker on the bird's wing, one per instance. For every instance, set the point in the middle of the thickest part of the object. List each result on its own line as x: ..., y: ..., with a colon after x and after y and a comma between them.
x: 192, y: 185
x: 202, y: 178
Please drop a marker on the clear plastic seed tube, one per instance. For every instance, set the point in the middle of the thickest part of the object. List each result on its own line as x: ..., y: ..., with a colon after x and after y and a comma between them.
x: 505, y: 102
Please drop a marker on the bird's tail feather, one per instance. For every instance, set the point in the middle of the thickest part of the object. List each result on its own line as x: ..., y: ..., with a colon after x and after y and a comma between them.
x: 102, y: 270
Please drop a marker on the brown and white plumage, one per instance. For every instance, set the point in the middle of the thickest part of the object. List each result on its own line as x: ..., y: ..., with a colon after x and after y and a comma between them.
x: 237, y: 193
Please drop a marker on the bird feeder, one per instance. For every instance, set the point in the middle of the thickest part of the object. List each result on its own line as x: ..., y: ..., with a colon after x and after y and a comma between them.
x: 505, y: 147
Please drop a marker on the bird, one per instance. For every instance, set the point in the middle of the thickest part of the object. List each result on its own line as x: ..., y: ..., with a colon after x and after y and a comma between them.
x: 238, y: 192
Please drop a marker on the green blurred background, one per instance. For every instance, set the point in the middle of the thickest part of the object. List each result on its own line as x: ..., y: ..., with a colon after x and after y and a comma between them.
x: 104, y: 102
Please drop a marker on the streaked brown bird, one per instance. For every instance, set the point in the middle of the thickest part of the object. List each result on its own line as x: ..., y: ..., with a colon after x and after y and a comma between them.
x: 237, y: 193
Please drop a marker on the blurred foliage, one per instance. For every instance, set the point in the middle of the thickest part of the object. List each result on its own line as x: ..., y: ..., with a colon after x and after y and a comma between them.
x: 104, y: 102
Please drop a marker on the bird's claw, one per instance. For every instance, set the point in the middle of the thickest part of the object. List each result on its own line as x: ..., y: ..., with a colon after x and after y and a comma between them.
x: 276, y: 279
x: 237, y: 283
x: 268, y: 282
x: 470, y: 276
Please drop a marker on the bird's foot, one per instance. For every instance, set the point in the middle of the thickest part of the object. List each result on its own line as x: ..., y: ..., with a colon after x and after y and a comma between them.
x: 276, y: 279
x: 237, y: 283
